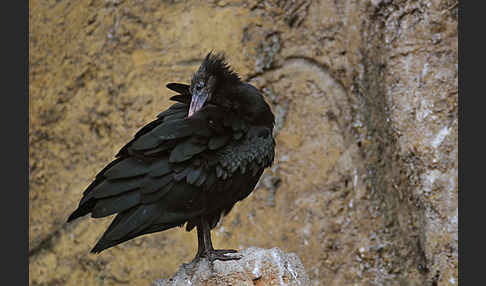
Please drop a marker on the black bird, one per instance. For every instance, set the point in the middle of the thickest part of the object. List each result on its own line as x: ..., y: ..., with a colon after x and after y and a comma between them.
x: 190, y: 165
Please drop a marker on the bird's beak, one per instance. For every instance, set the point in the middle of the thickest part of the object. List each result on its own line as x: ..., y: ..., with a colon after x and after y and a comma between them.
x: 197, y: 102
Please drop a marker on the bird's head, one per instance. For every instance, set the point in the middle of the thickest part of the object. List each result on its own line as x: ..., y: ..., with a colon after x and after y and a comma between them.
x: 212, y: 82
x: 215, y: 83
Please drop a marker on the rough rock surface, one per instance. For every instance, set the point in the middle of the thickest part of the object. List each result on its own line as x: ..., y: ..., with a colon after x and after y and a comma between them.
x: 257, y: 266
x: 364, y: 186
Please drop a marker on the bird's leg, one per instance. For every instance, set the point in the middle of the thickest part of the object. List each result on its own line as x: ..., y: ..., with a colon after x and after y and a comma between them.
x: 209, y: 252
x: 200, y: 243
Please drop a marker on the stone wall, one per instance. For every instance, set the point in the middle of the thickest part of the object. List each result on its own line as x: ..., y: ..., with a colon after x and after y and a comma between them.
x: 364, y: 184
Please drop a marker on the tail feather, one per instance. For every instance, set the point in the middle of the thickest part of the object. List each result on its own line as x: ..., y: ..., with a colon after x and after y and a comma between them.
x: 82, y: 210
x: 103, y: 244
x: 141, y: 220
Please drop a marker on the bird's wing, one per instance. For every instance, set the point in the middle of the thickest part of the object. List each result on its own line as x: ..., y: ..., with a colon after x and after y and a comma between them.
x: 164, y: 176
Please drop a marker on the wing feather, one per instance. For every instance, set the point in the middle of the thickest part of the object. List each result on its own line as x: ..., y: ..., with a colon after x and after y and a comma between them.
x: 186, y: 150
x: 126, y: 168
x: 167, y: 174
x: 111, y: 205
x: 178, y: 87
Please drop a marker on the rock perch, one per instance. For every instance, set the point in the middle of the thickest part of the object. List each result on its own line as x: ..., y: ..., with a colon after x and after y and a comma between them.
x: 257, y: 266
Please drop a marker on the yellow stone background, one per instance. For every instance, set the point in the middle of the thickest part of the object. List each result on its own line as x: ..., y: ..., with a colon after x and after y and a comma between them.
x: 364, y: 185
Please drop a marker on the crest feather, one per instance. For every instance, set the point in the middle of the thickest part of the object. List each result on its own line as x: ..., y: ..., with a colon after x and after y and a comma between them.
x: 216, y: 64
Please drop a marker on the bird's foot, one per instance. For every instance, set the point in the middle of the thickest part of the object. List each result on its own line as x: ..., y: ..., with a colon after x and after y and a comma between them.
x: 225, y: 251
x: 218, y: 254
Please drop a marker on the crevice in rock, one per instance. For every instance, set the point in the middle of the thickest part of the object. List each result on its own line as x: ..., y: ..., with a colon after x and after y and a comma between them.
x: 48, y: 242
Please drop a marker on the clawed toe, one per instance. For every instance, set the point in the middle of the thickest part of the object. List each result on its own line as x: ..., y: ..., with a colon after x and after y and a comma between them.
x: 224, y: 251
x: 205, y: 246
x: 218, y: 254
